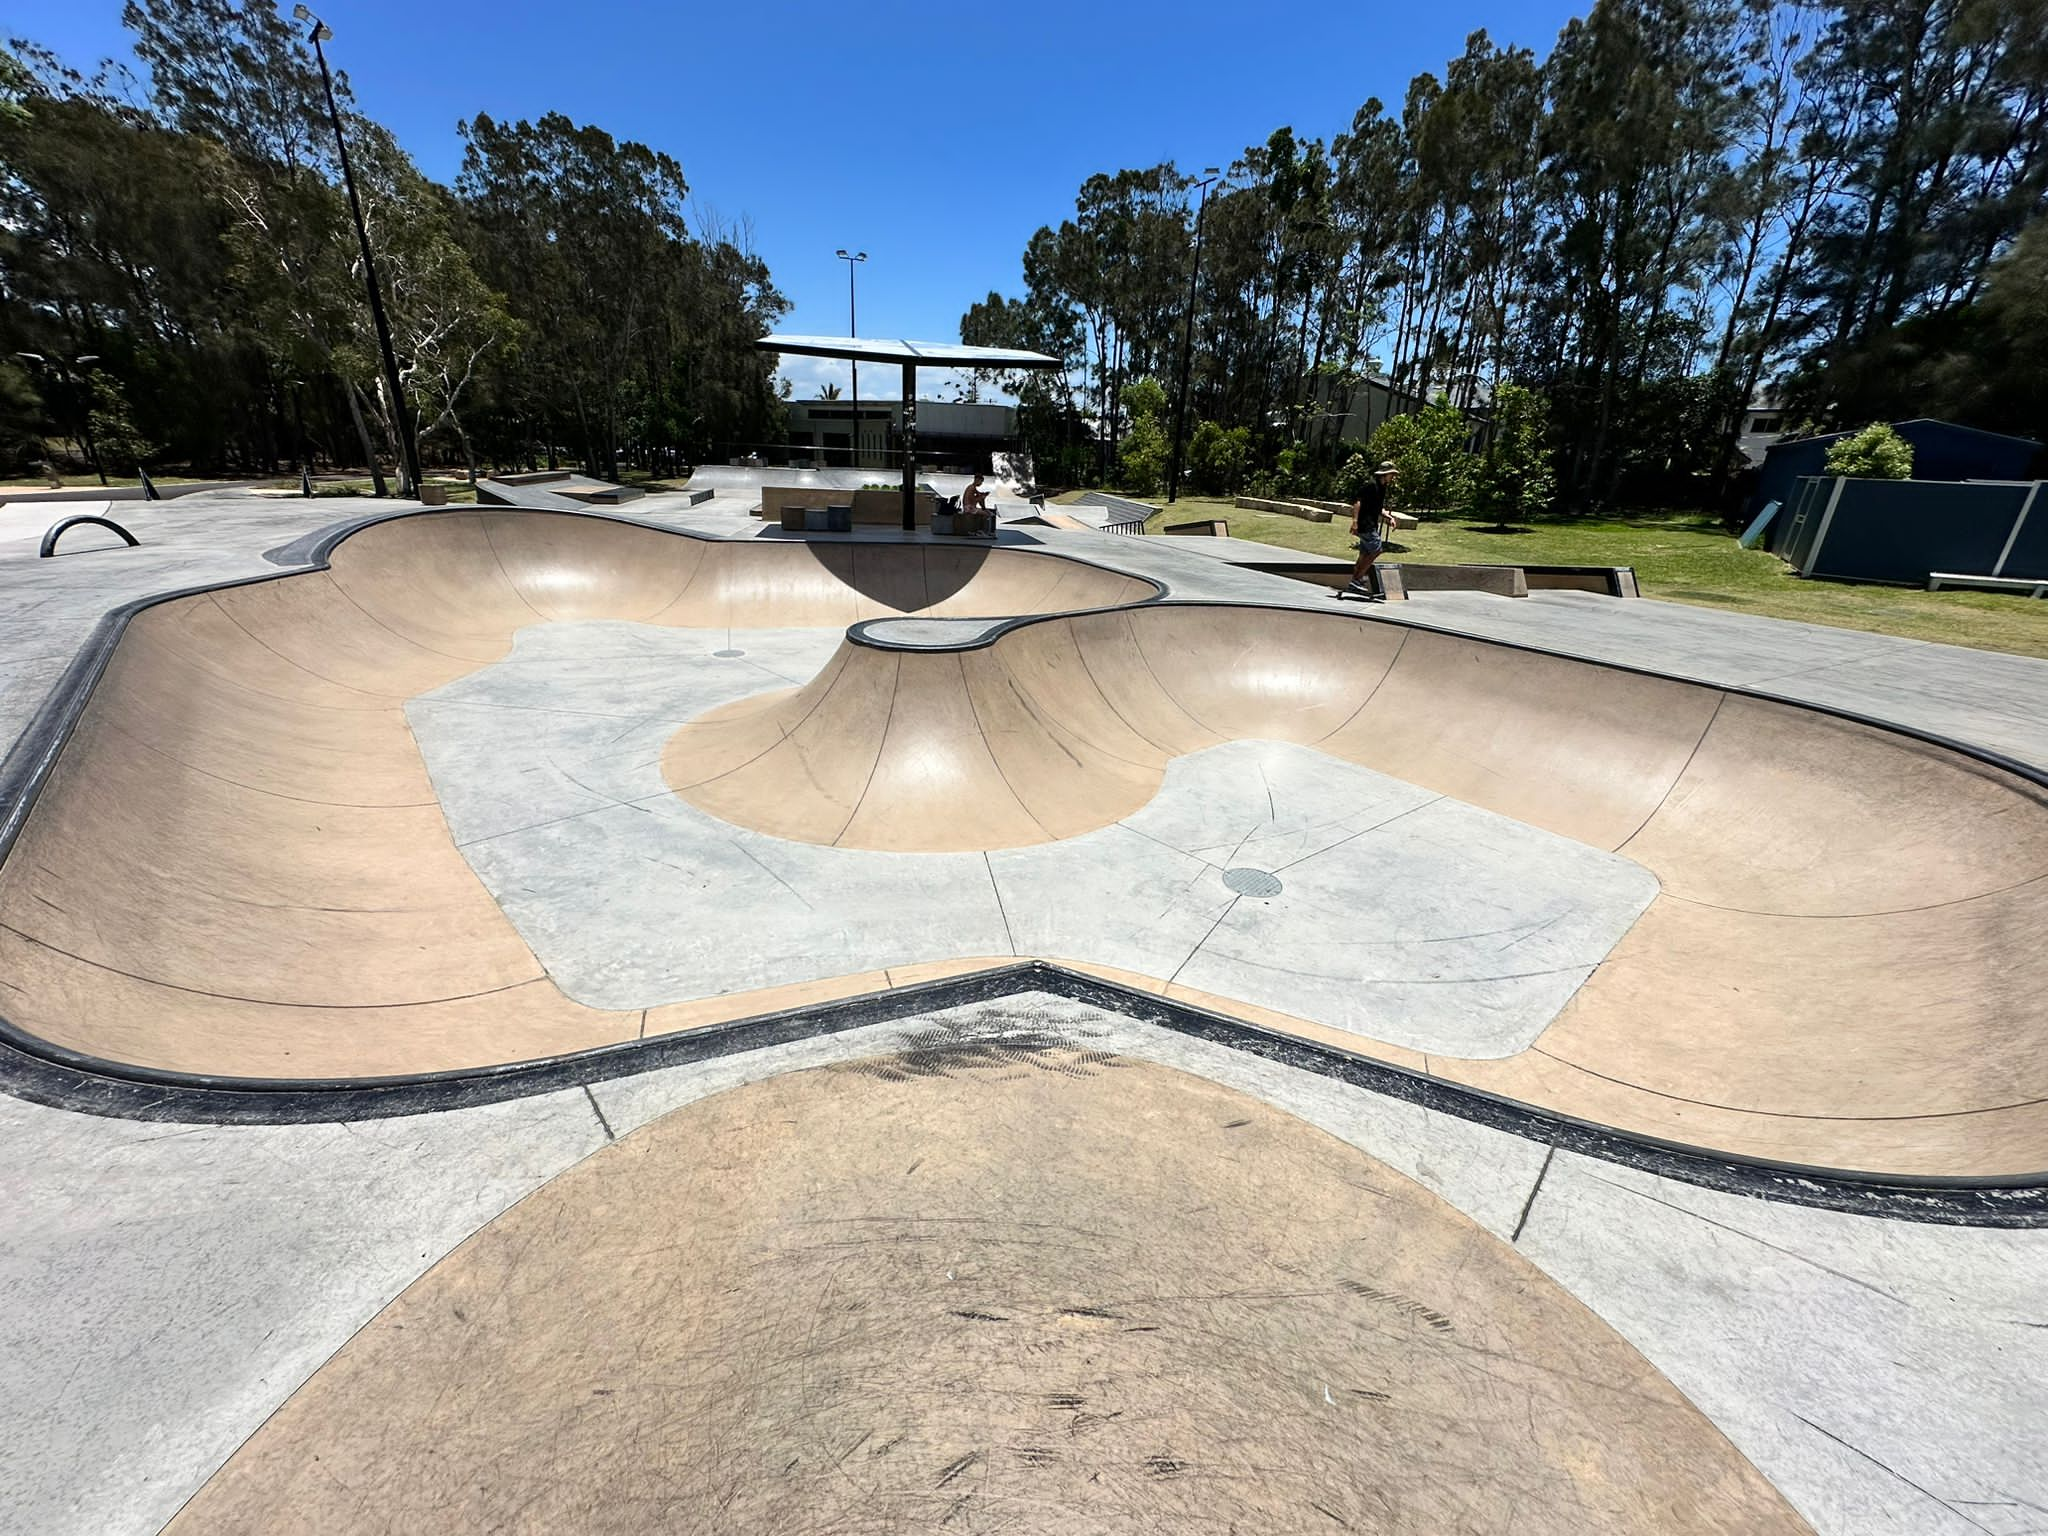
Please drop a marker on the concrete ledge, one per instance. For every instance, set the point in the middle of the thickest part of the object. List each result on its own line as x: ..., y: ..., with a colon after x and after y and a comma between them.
x: 1500, y: 580
x: 606, y: 496
x: 1214, y: 527
x: 1314, y: 511
x: 1300, y: 509
x: 1607, y: 580
x: 1517, y: 580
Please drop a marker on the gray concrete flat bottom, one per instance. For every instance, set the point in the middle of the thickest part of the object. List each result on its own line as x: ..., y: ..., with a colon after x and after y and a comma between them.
x: 1396, y: 913
x: 168, y: 1287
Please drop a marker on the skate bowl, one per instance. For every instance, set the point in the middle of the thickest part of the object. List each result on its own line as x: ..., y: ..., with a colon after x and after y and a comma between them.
x: 238, y: 868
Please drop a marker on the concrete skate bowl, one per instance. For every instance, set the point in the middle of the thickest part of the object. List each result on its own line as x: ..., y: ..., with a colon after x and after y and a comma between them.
x: 238, y: 867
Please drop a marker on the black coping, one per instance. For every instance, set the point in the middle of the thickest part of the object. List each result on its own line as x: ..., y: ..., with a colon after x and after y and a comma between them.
x: 49, y: 1075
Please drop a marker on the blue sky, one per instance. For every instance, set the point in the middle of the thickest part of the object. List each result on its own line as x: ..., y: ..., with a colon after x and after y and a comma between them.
x: 935, y: 137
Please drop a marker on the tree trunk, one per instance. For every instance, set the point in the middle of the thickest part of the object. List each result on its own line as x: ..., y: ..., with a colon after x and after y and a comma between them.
x: 393, y: 426
x: 355, y: 411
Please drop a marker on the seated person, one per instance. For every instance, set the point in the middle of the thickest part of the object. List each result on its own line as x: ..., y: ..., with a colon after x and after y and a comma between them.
x: 974, y: 500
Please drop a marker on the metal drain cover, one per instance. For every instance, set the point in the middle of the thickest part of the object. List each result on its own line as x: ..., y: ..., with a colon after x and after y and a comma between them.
x: 727, y: 655
x: 1247, y: 881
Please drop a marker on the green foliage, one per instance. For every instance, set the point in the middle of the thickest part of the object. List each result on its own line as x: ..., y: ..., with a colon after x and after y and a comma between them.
x: 1683, y: 199
x: 15, y: 84
x: 1141, y: 457
x: 121, y: 445
x: 21, y: 414
x: 1428, y: 448
x: 1875, y: 453
x: 1984, y: 362
x: 1515, y: 476
x: 1219, y: 457
x: 1048, y: 420
x: 1144, y: 400
x: 199, y: 246
x: 1352, y: 476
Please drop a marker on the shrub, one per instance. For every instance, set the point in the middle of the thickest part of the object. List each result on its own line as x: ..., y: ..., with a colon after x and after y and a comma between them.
x: 1352, y: 476
x: 1218, y: 458
x: 1428, y: 448
x: 1141, y: 456
x: 1292, y: 469
x: 1875, y: 453
x: 1515, y: 475
x: 122, y: 447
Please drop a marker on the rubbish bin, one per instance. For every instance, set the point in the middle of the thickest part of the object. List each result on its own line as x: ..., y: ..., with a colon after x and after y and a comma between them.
x: 839, y: 519
x: 817, y: 519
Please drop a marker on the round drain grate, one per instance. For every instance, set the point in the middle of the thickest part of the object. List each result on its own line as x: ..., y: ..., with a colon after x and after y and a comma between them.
x: 727, y: 655
x: 1252, y: 882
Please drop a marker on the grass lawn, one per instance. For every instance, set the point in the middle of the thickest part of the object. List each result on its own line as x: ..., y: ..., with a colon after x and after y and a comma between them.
x: 1681, y: 558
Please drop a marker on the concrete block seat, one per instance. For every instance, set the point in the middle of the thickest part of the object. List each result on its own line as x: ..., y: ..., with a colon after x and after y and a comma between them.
x: 240, y: 866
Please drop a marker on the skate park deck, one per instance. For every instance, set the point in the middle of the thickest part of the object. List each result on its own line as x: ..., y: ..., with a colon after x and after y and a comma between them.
x: 239, y: 867
x: 1044, y: 1248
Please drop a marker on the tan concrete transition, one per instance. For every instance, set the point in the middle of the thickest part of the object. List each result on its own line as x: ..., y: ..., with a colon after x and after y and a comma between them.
x: 986, y: 1285
x: 239, y: 868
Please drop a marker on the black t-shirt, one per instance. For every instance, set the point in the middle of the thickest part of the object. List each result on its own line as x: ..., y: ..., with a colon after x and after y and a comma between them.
x: 1372, y: 496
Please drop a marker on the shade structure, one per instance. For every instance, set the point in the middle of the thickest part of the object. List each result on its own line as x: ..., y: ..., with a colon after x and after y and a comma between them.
x: 910, y: 356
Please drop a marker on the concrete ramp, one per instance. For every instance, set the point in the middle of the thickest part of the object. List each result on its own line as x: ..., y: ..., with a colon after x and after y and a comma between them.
x: 238, y: 866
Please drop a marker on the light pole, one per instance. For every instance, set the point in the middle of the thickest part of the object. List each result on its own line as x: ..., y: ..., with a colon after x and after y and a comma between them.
x: 408, y: 451
x: 1187, y: 340
x: 73, y: 371
x: 853, y: 260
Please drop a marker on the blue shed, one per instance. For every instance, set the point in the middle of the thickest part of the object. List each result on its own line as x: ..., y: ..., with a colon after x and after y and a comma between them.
x: 1942, y: 450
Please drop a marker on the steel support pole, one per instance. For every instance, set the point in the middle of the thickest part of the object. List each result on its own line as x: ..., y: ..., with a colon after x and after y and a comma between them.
x: 853, y: 329
x: 910, y: 447
x: 1187, y: 356
x: 408, y: 451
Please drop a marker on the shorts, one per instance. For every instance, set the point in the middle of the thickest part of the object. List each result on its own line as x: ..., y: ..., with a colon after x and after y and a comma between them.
x: 1370, y: 544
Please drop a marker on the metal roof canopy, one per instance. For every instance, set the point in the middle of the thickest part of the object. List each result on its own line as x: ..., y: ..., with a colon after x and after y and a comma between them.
x: 911, y: 355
